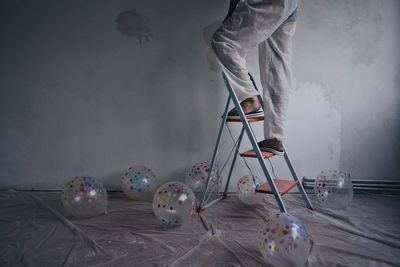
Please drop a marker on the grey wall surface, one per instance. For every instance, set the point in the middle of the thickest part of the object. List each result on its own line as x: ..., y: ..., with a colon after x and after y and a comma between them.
x: 93, y: 87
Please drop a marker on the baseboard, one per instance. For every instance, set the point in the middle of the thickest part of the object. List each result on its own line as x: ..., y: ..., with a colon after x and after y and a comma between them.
x: 386, y: 186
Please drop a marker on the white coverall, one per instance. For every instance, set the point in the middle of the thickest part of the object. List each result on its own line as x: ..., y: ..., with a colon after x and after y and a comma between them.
x: 270, y: 24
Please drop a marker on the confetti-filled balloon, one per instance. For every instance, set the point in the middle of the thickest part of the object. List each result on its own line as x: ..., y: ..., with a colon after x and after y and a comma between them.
x: 197, y: 177
x: 84, y: 196
x: 174, y: 203
x: 283, y: 241
x: 139, y: 183
x: 246, y: 190
x: 334, y: 189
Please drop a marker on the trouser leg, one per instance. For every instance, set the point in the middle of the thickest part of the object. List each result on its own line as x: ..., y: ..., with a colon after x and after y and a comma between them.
x: 275, y: 58
x: 251, y: 23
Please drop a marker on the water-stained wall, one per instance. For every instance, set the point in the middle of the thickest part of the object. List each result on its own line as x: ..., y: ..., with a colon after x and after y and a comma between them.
x: 96, y: 86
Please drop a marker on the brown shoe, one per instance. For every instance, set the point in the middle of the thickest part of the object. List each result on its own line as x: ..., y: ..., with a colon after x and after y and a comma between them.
x: 250, y: 105
x: 274, y: 146
x: 251, y: 108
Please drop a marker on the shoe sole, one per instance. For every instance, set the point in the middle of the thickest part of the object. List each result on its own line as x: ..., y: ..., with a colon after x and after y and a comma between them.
x: 248, y: 116
x: 271, y: 150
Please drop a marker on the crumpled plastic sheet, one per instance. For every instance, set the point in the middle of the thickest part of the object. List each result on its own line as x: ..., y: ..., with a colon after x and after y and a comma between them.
x: 35, y: 231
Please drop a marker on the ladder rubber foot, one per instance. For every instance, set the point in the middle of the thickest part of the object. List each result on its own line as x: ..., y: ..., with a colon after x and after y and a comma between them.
x: 200, y: 209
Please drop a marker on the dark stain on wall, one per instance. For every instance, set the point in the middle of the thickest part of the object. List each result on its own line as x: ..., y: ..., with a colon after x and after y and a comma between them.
x: 131, y: 23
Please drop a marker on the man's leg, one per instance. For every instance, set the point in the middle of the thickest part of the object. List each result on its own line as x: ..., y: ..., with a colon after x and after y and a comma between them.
x: 275, y: 59
x: 251, y: 23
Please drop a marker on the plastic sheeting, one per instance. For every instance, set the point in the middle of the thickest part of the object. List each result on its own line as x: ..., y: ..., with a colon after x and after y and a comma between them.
x: 34, y: 231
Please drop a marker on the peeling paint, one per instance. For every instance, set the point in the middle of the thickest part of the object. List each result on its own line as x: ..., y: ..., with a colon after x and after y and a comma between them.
x: 78, y: 86
x: 365, y: 35
x: 358, y: 22
x: 314, y: 126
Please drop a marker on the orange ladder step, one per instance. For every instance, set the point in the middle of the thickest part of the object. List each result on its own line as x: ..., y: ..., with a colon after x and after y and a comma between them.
x: 255, y: 119
x: 252, y: 154
x: 283, y: 186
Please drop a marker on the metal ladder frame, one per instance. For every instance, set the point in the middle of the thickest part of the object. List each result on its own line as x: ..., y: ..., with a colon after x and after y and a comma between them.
x: 246, y: 128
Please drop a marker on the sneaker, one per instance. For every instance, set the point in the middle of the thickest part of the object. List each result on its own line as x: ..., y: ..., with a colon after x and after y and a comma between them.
x: 234, y: 114
x: 274, y: 146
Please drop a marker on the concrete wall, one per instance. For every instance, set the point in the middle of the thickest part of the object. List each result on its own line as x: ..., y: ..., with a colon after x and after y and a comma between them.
x: 92, y: 87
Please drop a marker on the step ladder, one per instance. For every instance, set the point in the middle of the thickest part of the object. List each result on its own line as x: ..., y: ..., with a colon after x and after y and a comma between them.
x: 277, y: 187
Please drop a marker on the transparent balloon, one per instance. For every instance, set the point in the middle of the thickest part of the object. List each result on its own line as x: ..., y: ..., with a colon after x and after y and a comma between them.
x: 84, y: 196
x: 246, y: 190
x: 139, y: 183
x: 174, y: 203
x: 196, y: 178
x: 283, y: 241
x: 333, y: 189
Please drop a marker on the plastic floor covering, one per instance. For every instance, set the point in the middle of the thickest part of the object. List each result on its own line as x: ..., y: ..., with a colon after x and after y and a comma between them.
x: 34, y: 231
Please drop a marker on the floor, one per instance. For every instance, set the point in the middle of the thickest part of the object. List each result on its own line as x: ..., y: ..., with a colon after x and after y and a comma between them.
x: 34, y: 231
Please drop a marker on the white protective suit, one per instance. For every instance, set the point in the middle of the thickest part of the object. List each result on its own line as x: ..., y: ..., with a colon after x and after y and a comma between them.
x: 270, y: 24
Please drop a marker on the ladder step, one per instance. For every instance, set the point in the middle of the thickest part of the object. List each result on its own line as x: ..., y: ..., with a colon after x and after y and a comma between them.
x: 255, y: 119
x: 252, y: 154
x: 283, y: 186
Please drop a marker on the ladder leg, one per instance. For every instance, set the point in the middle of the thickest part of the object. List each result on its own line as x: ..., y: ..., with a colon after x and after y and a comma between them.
x: 221, y: 129
x: 234, y: 160
x: 299, y: 185
x: 287, y: 159
x: 255, y: 145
